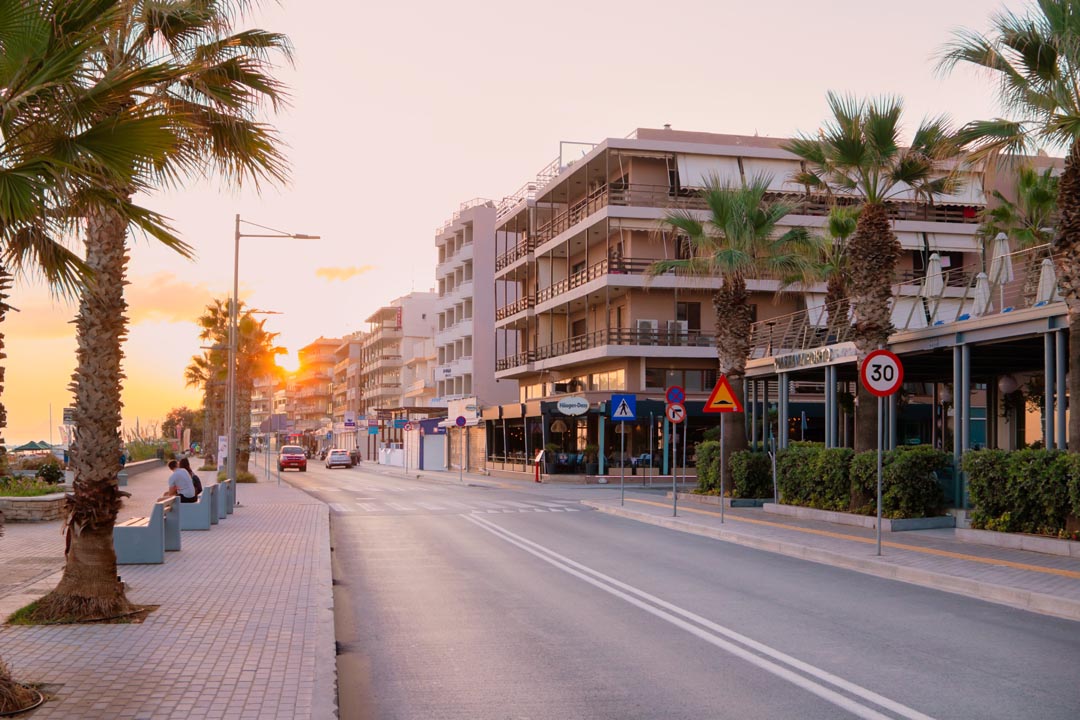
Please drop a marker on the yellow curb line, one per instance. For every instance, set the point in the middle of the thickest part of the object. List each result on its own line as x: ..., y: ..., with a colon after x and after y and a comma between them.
x: 853, y: 538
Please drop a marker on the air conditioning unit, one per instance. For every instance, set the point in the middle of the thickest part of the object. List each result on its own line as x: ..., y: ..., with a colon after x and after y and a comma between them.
x: 646, y: 332
x: 678, y: 332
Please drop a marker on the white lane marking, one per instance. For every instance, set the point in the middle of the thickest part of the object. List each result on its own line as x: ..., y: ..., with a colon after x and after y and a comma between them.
x: 399, y: 506
x: 511, y: 503
x: 573, y: 509
x: 368, y: 507
x: 339, y: 508
x: 429, y: 506
x: 548, y: 504
x: 455, y: 504
x: 670, y: 612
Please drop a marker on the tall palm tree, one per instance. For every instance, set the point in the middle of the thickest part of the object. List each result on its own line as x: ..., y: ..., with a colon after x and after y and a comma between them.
x: 211, y: 82
x: 741, y: 239
x: 858, y: 155
x: 254, y: 359
x: 1034, y: 61
x: 831, y: 263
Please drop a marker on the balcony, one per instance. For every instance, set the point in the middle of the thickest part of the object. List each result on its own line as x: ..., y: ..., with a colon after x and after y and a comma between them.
x: 605, y: 338
x: 1022, y: 279
x: 523, y: 248
x: 522, y: 304
x: 418, y: 388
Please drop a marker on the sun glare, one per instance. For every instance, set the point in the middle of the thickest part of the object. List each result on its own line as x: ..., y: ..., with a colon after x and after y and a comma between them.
x: 289, y: 362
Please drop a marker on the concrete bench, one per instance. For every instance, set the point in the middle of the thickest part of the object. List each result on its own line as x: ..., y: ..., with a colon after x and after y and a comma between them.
x: 196, y: 515
x: 222, y: 504
x: 230, y: 496
x: 144, y: 540
x: 216, y: 493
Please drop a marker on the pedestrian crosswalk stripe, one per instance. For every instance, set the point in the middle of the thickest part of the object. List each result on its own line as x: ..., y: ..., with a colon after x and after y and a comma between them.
x: 338, y: 507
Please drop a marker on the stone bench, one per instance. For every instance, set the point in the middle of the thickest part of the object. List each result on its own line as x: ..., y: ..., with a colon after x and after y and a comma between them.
x: 144, y: 540
x: 196, y: 515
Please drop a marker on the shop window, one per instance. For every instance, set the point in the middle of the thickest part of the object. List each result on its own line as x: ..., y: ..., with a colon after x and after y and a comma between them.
x: 654, y: 377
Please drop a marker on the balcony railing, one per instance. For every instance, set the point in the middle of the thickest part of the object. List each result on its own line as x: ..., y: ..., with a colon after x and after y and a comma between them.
x: 523, y: 303
x: 1021, y: 279
x: 607, y: 337
x: 524, y: 246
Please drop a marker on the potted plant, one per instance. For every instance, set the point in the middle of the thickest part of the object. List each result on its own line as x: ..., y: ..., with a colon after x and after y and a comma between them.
x: 551, y: 450
x: 592, y: 466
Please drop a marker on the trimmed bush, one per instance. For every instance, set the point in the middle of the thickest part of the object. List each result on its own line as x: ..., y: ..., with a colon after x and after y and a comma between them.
x: 1028, y: 491
x: 751, y: 474
x: 51, y: 472
x: 832, y: 488
x: 708, y: 467
x: 795, y: 472
x: 909, y: 487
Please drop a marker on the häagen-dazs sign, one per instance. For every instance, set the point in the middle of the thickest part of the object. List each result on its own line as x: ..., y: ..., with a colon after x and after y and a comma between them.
x: 573, y: 405
x: 816, y: 357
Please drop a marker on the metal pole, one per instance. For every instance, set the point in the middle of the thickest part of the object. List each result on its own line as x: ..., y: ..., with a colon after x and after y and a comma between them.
x: 721, y: 469
x: 622, y: 463
x: 753, y: 416
x: 652, y: 449
x: 674, y: 471
x: 230, y: 469
x: 461, y: 455
x: 686, y: 430
x: 880, y: 438
x: 1061, y: 367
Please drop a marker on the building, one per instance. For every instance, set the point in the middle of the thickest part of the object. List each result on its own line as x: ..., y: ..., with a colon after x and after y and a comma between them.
x: 466, y: 337
x: 404, y: 329
x: 349, y: 410
x: 581, y: 317
x: 311, y: 391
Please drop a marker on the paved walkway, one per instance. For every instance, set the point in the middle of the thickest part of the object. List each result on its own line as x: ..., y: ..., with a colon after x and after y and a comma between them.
x: 934, y: 558
x: 244, y: 630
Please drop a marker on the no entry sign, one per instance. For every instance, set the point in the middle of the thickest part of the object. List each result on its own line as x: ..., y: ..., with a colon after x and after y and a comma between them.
x: 882, y: 373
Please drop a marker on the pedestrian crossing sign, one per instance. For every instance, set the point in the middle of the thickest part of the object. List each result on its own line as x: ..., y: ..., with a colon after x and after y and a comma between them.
x: 722, y: 399
x: 623, y: 407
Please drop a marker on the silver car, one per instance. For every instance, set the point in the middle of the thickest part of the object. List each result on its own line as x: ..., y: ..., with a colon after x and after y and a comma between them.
x: 338, y: 458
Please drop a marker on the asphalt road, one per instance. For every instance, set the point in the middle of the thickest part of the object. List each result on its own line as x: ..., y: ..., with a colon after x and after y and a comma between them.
x: 474, y: 602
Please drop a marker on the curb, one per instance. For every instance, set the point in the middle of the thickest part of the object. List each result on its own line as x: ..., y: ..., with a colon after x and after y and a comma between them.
x: 324, y: 693
x: 1000, y: 594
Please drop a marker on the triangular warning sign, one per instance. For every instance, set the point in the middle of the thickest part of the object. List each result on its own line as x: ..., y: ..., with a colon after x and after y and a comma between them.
x: 722, y: 399
x: 623, y: 411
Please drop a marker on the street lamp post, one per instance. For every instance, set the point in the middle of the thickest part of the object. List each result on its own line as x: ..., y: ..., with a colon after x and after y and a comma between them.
x: 230, y: 469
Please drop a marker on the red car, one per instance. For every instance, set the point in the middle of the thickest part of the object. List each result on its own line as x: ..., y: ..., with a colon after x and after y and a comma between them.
x: 292, y: 456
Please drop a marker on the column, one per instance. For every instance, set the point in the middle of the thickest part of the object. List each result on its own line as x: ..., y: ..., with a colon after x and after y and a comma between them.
x: 1050, y: 379
x: 665, y: 445
x: 753, y: 413
x: 891, y: 443
x: 765, y: 413
x: 782, y: 414
x: 1062, y: 390
x: 603, y: 423
x: 965, y: 396
x: 828, y: 408
x: 958, y: 447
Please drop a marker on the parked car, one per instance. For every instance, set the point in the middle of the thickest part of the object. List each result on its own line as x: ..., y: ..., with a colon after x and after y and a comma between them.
x: 338, y: 458
x: 292, y: 456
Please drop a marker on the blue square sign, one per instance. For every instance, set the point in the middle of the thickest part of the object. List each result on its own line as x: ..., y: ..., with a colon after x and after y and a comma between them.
x: 623, y: 407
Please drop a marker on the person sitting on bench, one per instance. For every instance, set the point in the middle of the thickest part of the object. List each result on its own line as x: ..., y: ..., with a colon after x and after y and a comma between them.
x: 180, y: 484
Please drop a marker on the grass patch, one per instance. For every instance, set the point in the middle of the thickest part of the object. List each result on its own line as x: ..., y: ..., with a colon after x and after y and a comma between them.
x: 24, y: 616
x: 208, y: 468
x: 242, y: 476
x: 27, y: 487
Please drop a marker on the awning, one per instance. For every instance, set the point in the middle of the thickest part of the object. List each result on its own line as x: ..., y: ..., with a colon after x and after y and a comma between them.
x: 779, y: 172
x: 699, y: 170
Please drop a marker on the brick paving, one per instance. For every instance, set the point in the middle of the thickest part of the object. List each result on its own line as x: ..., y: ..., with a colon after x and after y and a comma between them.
x: 245, y: 627
x: 1031, y: 580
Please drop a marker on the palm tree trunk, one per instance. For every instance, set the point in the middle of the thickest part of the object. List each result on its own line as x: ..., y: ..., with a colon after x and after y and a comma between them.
x: 1067, y: 260
x: 873, y: 253
x: 89, y: 588
x: 5, y: 287
x: 243, y: 432
x: 733, y: 319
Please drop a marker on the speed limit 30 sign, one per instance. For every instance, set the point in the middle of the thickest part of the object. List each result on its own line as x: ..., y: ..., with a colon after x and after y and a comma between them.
x: 882, y: 373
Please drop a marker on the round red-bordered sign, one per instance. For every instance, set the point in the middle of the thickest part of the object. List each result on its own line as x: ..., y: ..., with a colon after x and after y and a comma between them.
x: 676, y: 412
x: 882, y: 373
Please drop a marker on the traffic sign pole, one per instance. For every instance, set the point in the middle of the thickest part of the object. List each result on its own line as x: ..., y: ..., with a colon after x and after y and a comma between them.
x: 674, y: 472
x: 721, y: 470
x: 880, y: 442
x: 622, y: 465
x: 882, y: 374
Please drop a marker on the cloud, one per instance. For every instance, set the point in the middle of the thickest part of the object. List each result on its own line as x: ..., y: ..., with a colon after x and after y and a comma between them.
x: 342, y: 273
x: 163, y: 297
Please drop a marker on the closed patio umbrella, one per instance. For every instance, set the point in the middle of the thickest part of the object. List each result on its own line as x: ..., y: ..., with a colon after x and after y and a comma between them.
x: 1001, y: 269
x: 934, y: 282
x: 1047, y: 291
x: 982, y: 295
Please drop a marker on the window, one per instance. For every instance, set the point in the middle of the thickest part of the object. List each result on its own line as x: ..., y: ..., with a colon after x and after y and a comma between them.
x: 577, y: 329
x: 690, y: 313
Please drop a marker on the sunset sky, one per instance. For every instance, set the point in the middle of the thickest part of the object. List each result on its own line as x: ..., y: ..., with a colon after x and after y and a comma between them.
x: 401, y: 112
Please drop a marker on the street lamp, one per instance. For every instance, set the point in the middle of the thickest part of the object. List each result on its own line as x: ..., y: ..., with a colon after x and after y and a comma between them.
x: 230, y: 469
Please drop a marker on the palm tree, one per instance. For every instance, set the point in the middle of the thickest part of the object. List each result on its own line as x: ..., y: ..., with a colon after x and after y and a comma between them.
x: 1034, y: 60
x: 254, y: 359
x: 831, y: 265
x: 741, y: 239
x: 209, y: 84
x: 858, y: 155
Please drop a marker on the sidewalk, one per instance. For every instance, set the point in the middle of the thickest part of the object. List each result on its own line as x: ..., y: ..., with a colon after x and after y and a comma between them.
x: 1032, y: 581
x: 245, y: 627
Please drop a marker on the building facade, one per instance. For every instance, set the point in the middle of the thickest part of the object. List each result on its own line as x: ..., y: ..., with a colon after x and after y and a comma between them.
x: 312, y: 393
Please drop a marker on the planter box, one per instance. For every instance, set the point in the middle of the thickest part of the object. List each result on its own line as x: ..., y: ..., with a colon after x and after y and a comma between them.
x: 1020, y: 541
x: 42, y: 508
x: 866, y: 521
x: 715, y: 500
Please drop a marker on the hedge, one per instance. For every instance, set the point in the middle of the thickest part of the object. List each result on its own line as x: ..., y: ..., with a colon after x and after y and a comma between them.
x: 708, y: 467
x: 836, y: 479
x: 1028, y: 491
x: 751, y: 474
x: 909, y: 486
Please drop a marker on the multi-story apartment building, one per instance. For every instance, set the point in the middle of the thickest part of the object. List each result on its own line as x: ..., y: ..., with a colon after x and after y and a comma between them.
x: 349, y: 410
x: 397, y: 332
x: 418, y: 377
x: 466, y: 337
x: 312, y: 391
x: 572, y: 253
